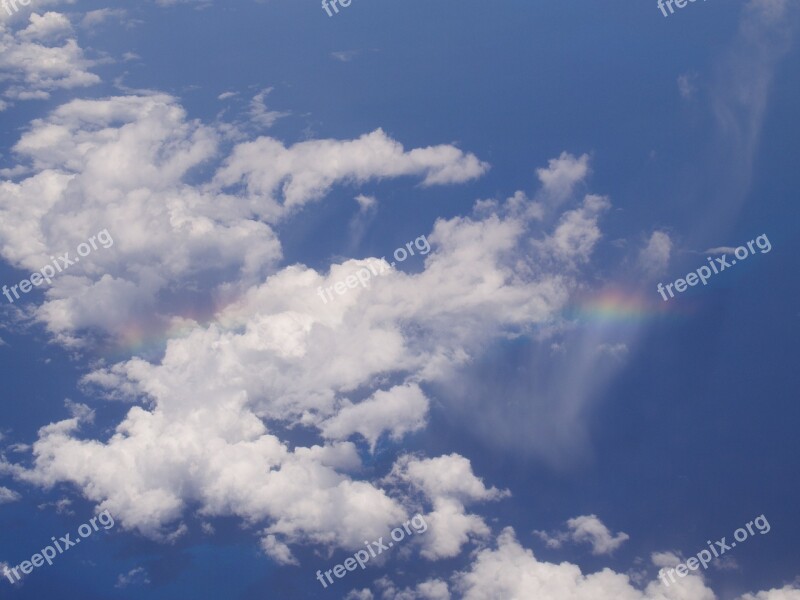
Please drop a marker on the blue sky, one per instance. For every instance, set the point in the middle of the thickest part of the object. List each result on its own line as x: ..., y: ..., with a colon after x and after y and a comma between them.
x: 562, y: 430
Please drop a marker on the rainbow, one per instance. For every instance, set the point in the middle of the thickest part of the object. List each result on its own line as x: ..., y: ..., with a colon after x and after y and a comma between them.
x: 616, y: 307
x: 621, y: 306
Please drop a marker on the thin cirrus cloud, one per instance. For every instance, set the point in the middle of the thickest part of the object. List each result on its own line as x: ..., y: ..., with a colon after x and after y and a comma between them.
x: 739, y: 87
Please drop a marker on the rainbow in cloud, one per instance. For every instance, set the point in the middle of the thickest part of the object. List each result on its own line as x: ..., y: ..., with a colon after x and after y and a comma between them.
x: 620, y: 306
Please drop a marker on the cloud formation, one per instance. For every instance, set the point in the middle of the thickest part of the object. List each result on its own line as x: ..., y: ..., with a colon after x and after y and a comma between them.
x: 42, y: 57
x: 586, y: 529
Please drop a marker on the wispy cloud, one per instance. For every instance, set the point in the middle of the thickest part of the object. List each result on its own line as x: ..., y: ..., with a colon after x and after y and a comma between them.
x: 345, y: 55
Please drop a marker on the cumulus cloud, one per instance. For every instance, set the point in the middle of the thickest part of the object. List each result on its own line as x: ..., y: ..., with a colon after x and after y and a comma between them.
x: 585, y: 529
x: 124, y: 161
x: 36, y: 61
x: 205, y: 432
x: 364, y: 594
x: 511, y: 571
x: 654, y: 257
x: 578, y: 231
x: 278, y: 179
x: 278, y: 551
x: 432, y: 589
x: 447, y: 476
x: 562, y: 176
x: 7, y: 495
x: 200, y: 435
x: 591, y: 530
x: 788, y: 592
x: 534, y: 399
x: 400, y: 410
x: 449, y: 484
x: 47, y: 27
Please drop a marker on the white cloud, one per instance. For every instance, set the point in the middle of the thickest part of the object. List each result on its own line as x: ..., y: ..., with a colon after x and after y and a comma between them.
x: 686, y: 84
x: 514, y: 573
x: 136, y: 576
x: 725, y: 563
x: 202, y: 434
x: 366, y: 203
x: 720, y: 250
x: 449, y: 528
x: 788, y: 592
x: 4, y: 566
x: 278, y: 551
x: 654, y: 257
x: 48, y: 27
x: 364, y: 594
x: 590, y: 529
x: 447, y: 476
x: 562, y: 176
x: 432, y: 589
x: 359, y: 223
x: 7, y: 495
x: 449, y: 483
x: 93, y: 18
x: 34, y: 67
x: 400, y: 410
x: 615, y: 351
x: 307, y: 170
x: 577, y: 232
x: 345, y: 55
x: 260, y: 114
x: 122, y: 160
x: 585, y: 529
x: 62, y: 506
x: 739, y: 91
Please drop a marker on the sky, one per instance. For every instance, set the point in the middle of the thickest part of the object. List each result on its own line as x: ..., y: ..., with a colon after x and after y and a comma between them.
x: 412, y: 301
